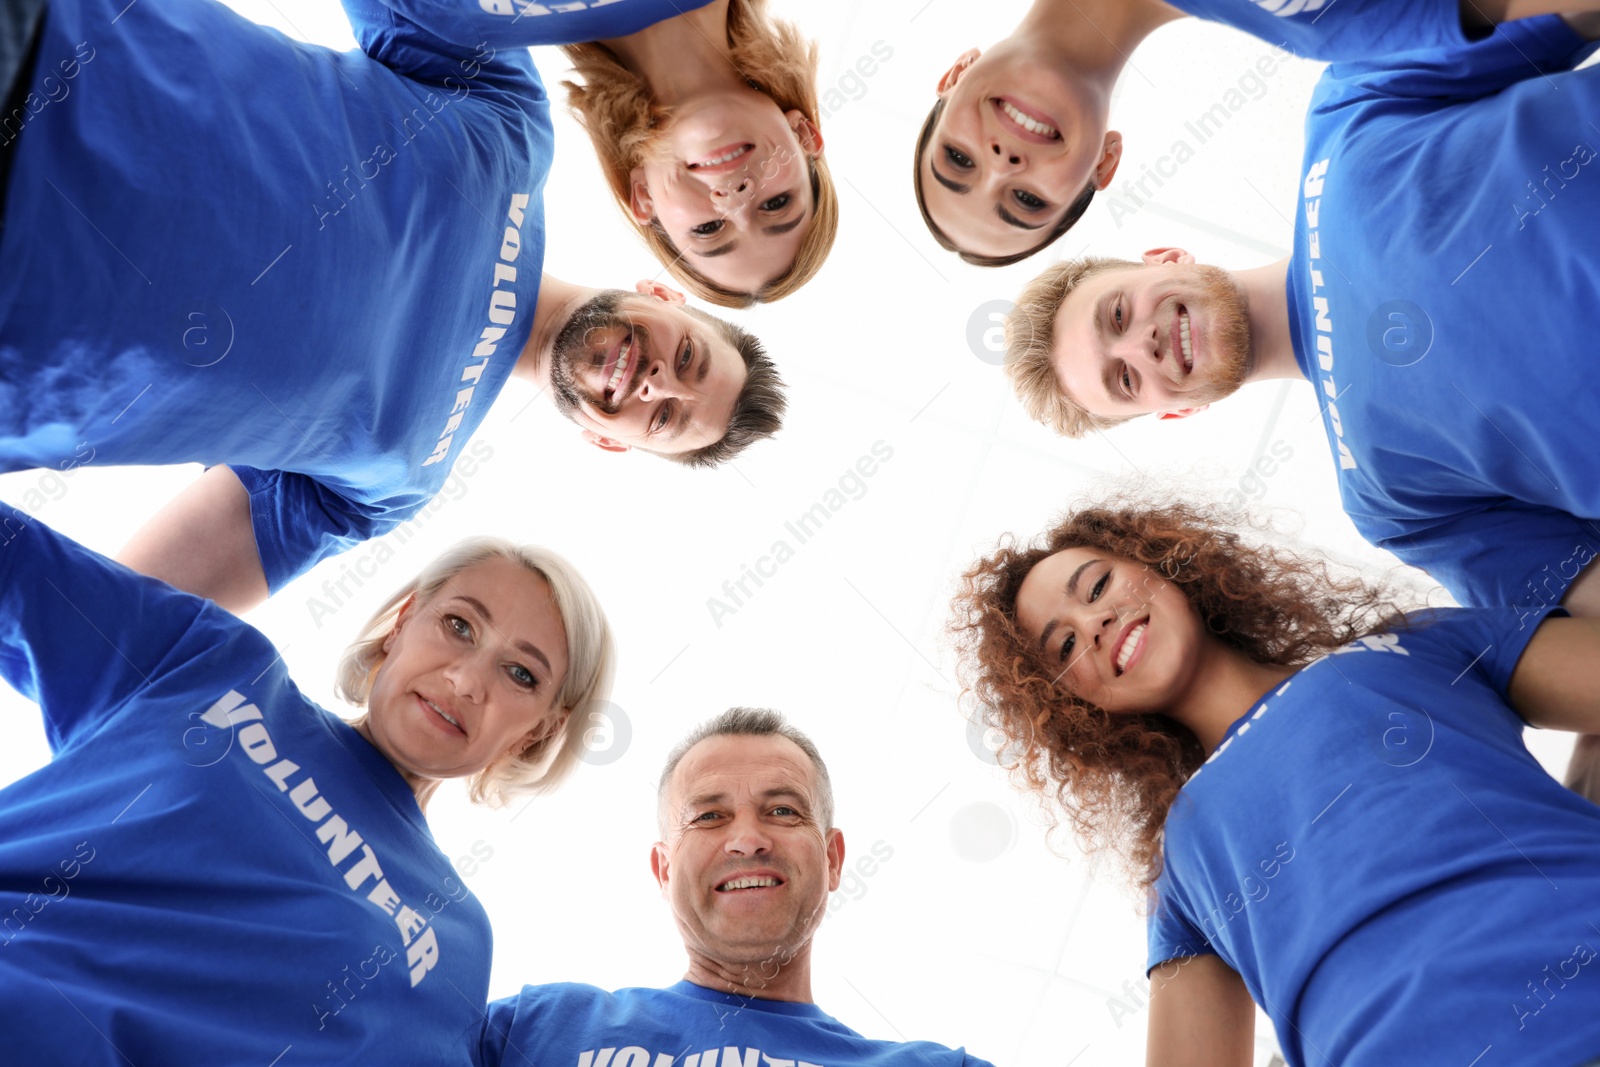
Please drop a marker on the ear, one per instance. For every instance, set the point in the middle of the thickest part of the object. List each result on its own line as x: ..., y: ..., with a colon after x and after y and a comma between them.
x: 1167, y: 255
x: 399, y: 621
x: 805, y: 131
x: 1110, y: 158
x: 640, y: 206
x: 664, y: 293
x: 605, y: 444
x: 948, y: 79
x: 835, y: 847
x: 1182, y: 413
x: 660, y: 864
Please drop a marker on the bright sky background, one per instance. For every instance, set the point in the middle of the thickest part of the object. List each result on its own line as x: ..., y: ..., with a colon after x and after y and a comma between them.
x: 973, y: 931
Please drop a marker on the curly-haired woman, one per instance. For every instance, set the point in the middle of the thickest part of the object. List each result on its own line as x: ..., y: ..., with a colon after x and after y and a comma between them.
x: 214, y: 869
x: 1329, y: 801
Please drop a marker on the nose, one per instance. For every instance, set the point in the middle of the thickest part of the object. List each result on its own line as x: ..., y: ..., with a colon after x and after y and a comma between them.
x: 1006, y: 157
x: 747, y: 837
x: 660, y: 383
x: 467, y: 677
x: 736, y: 187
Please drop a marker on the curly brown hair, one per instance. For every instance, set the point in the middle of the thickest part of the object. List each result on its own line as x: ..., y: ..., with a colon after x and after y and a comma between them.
x: 1114, y: 776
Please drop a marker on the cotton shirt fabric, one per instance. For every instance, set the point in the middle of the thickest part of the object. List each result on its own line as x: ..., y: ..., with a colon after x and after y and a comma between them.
x: 212, y: 868
x: 1338, y: 29
x: 227, y: 247
x: 521, y: 23
x: 1396, y: 879
x: 684, y: 1025
x: 1440, y: 297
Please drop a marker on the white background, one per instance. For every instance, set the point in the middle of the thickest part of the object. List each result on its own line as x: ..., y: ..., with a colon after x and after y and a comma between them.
x: 974, y: 932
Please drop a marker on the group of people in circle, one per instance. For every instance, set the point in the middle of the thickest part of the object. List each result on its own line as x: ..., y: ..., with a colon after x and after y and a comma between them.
x: 1318, y: 784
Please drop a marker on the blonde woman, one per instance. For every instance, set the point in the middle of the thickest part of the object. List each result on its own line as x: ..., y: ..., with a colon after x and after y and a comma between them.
x: 212, y: 868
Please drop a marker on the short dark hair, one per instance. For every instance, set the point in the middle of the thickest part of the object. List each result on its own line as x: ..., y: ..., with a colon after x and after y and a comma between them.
x: 1073, y: 213
x: 757, y: 412
x: 749, y: 722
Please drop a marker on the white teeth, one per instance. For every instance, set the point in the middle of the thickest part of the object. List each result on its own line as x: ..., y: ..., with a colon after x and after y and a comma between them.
x: 735, y: 154
x: 750, y: 883
x: 442, y: 715
x: 1129, y: 647
x: 622, y: 365
x: 1028, y: 124
x: 1183, y: 339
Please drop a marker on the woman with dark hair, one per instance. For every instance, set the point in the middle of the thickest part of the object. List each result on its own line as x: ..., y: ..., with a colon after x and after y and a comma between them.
x: 1329, y: 802
x: 214, y: 869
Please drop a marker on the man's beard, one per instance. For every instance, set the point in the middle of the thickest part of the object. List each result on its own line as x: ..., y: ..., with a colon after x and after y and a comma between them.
x: 1230, y: 335
x: 572, y: 349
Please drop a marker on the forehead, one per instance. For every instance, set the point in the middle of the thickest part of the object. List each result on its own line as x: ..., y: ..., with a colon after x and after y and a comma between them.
x: 1076, y: 352
x: 520, y: 604
x: 742, y: 765
x: 1045, y: 587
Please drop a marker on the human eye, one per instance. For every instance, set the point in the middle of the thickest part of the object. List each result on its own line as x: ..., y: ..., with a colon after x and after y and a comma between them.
x: 458, y: 626
x: 523, y: 676
x: 957, y: 158
x: 706, y: 229
x: 1029, y: 201
x: 777, y: 203
x: 1066, y: 647
x: 1127, y: 382
x: 687, y: 357
x: 663, y: 418
x: 705, y: 817
x: 1099, y: 587
x: 1116, y: 315
x: 784, y: 809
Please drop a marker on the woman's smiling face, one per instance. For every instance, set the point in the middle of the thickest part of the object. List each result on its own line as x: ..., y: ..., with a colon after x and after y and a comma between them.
x: 1112, y: 632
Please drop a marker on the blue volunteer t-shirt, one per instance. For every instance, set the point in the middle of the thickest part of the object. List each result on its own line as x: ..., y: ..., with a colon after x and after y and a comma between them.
x: 1443, y: 269
x: 1398, y: 881
x: 211, y: 869
x: 226, y: 247
x: 1338, y: 29
x: 522, y: 23
x: 688, y: 1025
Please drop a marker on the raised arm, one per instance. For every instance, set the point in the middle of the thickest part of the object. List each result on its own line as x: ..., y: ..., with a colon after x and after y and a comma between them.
x: 1201, y: 1015
x: 1479, y: 15
x: 203, y: 543
x: 1556, y: 684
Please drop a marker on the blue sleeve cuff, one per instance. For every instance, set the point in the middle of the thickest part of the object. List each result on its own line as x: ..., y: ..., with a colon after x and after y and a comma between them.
x: 299, y: 522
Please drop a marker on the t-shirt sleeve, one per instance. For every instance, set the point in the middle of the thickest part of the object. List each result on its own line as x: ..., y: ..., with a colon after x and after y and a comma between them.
x: 299, y: 522
x: 1516, y: 51
x: 525, y: 23
x: 456, y: 60
x: 495, y: 1045
x: 79, y: 633
x: 1488, y: 641
x: 1514, y: 553
x: 1169, y: 933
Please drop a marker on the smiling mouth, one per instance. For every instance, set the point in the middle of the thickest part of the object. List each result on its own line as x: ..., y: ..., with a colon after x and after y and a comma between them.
x: 1185, y: 343
x: 1028, y: 123
x: 437, y: 710
x: 725, y: 158
x: 624, y: 357
x: 755, y: 881
x: 1130, y: 645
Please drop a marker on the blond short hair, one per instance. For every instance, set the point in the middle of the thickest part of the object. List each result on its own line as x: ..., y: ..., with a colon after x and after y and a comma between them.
x: 591, y: 662
x: 613, y: 104
x: 1030, y: 338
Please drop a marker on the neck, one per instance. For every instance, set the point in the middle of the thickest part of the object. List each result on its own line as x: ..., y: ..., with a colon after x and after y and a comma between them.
x: 792, y: 981
x: 1092, y: 37
x: 682, y: 58
x: 1226, y: 685
x: 1271, y: 350
x: 421, y: 788
x: 556, y: 304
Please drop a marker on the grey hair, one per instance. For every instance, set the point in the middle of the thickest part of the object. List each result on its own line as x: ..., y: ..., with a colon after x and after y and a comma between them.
x: 748, y: 722
x: 591, y: 662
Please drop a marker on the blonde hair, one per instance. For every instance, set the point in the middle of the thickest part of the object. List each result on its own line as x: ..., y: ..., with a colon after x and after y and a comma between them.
x: 614, y: 106
x: 1030, y: 337
x: 591, y: 662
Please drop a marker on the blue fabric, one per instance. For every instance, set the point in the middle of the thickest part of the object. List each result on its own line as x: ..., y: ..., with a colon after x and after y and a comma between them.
x: 1373, y: 849
x: 524, y: 23
x: 211, y: 869
x: 689, y: 1026
x: 1444, y: 260
x: 227, y: 247
x: 1338, y: 29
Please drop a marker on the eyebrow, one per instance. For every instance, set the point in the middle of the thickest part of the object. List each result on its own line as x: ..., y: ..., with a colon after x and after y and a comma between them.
x: 1072, y: 591
x: 954, y: 187
x: 523, y: 645
x: 701, y: 800
x: 1012, y: 220
x: 712, y: 253
x: 784, y: 227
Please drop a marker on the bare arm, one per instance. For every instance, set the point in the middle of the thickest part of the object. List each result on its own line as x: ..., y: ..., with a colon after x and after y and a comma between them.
x: 1201, y: 1015
x: 203, y: 543
x: 1479, y: 15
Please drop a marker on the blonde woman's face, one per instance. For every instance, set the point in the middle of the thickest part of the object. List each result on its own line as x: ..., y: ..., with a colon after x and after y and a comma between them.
x: 729, y: 180
x: 470, y: 674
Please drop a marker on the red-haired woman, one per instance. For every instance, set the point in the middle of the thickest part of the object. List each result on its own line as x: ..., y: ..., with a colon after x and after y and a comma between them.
x: 1330, y: 803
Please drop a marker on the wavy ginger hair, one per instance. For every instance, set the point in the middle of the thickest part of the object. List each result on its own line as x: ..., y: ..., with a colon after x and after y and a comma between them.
x: 1115, y: 776
x: 614, y: 106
